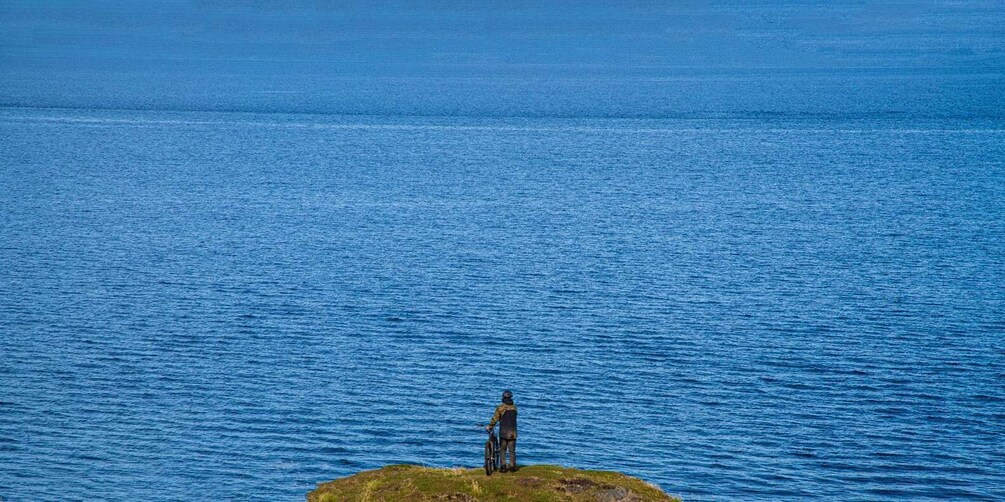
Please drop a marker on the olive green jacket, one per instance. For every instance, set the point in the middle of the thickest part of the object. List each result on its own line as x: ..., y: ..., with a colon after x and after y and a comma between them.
x: 497, y: 416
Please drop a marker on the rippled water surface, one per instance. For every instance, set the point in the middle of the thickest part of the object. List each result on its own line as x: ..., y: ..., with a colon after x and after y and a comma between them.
x: 227, y: 305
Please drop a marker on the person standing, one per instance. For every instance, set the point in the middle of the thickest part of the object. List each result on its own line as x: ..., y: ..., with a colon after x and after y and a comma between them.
x: 505, y: 416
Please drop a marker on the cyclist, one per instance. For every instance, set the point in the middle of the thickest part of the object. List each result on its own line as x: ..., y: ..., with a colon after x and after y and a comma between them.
x: 505, y: 416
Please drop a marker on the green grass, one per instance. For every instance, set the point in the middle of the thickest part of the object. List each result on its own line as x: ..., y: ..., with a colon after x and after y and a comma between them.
x: 534, y: 483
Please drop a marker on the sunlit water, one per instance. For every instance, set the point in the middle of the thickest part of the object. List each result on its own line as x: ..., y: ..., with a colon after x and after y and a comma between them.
x: 228, y: 306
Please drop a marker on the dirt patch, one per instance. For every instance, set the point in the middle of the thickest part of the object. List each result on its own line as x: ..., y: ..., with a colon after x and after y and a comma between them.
x: 578, y: 485
x: 456, y: 497
x: 617, y: 494
x: 530, y: 481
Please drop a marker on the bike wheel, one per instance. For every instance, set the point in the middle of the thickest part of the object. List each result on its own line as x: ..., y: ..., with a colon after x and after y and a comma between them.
x: 489, y: 459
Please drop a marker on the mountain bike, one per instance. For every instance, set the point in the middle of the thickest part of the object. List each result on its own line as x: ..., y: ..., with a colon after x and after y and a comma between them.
x: 491, y: 453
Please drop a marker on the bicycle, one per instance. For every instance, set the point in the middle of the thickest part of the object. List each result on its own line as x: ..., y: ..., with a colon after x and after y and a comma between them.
x: 491, y: 453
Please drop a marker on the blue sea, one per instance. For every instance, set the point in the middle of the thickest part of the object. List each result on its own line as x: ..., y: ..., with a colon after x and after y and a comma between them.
x: 751, y: 252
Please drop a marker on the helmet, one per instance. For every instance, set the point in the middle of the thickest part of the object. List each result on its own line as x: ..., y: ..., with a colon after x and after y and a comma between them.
x: 507, y: 394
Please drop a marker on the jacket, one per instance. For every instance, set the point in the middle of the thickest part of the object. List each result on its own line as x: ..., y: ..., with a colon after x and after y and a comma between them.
x: 505, y: 416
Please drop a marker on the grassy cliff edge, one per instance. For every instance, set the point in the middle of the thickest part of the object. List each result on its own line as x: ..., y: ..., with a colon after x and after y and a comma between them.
x: 541, y: 483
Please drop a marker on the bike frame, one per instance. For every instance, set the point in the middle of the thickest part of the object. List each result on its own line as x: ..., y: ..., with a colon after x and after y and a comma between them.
x: 492, y: 444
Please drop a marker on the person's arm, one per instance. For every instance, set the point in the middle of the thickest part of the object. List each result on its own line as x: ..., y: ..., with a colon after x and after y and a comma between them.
x: 495, y: 417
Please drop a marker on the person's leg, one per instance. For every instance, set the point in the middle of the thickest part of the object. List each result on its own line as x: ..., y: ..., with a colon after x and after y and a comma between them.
x: 503, y: 446
x: 512, y: 454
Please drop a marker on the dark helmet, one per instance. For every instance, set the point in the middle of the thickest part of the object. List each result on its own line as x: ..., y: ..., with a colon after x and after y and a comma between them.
x: 507, y: 394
